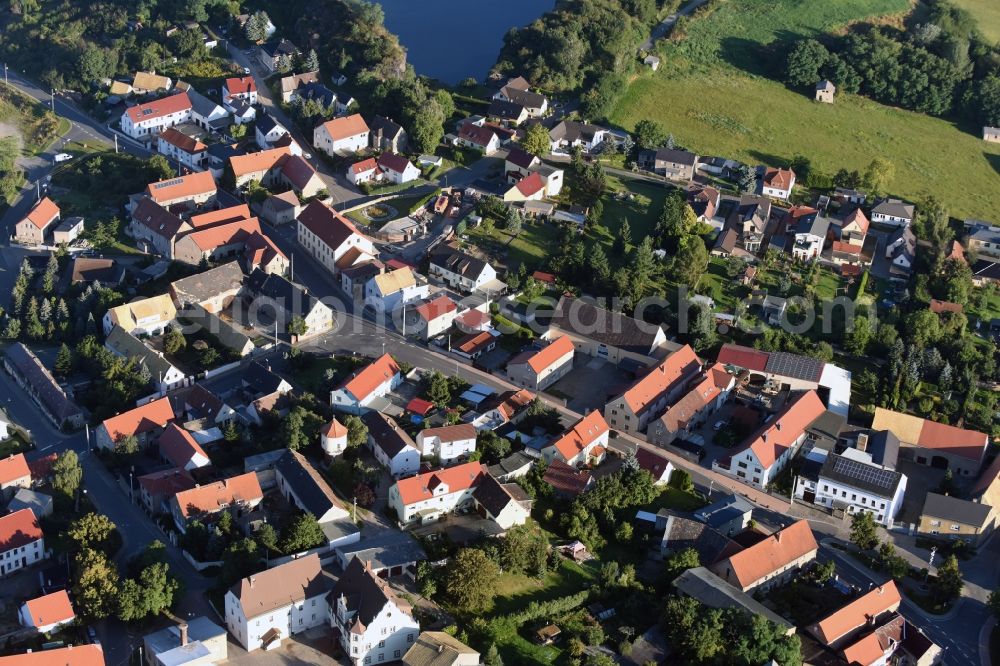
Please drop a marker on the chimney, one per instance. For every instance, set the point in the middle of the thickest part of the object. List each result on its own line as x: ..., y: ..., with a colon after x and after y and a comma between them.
x: 183, y: 627
x: 251, y: 581
x: 440, y: 648
x: 862, y: 442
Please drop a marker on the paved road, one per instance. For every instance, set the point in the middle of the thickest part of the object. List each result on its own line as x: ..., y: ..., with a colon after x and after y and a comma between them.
x: 664, y: 26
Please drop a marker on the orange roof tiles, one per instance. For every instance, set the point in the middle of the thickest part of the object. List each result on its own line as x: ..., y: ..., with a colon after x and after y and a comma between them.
x: 515, y: 402
x: 327, y: 224
x: 241, y: 85
x: 159, y: 108
x: 216, y: 496
x: 152, y: 415
x: 928, y: 434
x: 371, y: 377
x: 583, y: 434
x: 474, y: 342
x: 364, y: 165
x: 179, y: 447
x: 182, y: 141
x: 334, y: 429
x: 865, y: 652
x: 210, y: 238
x: 846, y: 248
x: 672, y: 371
x: 857, y: 216
x: 265, y: 160
x: 779, y: 179
x: 776, y: 551
x: 260, y: 250
x: 421, y: 487
x: 240, y: 212
x: 743, y: 357
x: 545, y: 357
x: 53, y: 608
x: 939, y: 307
x: 530, y: 185
x: 856, y: 614
x: 684, y: 410
x: 74, y: 655
x: 43, y: 213
x: 188, y: 185
x: 14, y: 467
x: 777, y: 436
x: 345, y: 127
x: 438, y: 307
x: 19, y: 529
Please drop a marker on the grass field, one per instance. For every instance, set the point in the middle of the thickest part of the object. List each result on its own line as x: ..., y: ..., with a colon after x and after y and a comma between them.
x: 986, y: 13
x: 711, y: 96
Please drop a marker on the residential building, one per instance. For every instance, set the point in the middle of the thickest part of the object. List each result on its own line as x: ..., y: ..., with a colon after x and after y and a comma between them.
x: 894, y: 212
x: 669, y: 163
x: 38, y: 383
x: 461, y: 270
x: 436, y: 648
x: 766, y: 452
x: 605, y: 334
x: 281, y: 208
x: 180, y: 449
x: 374, y: 381
x: 479, y: 137
x: 373, y: 624
x: 264, y: 609
x: 658, y: 466
x: 183, y: 192
x: 777, y: 183
x: 144, y: 83
x: 584, y: 443
x: 144, y: 423
x: 517, y: 91
x: 365, y: 171
x: 679, y: 533
x: 386, y: 292
x: 745, y: 228
x: 901, y: 251
x: 653, y: 392
x: 292, y: 85
x: 340, y: 136
x: 240, y: 493
x: 85, y: 271
x: 273, y: 54
x: 286, y: 302
x: 839, y: 627
x: 425, y: 498
x: 566, y: 481
x: 155, y: 228
x: 825, y: 90
x: 303, y: 487
x: 946, y: 517
x: 853, y: 482
x: 244, y: 88
x: 67, y: 231
x: 389, y: 553
x: 14, y: 475
x: 447, y: 444
x: 474, y: 345
x: 529, y: 188
x: 935, y: 444
x: 570, y: 133
x: 991, y: 134
x: 708, y: 589
x: 38, y: 503
x: 685, y: 415
x: 47, y: 613
x: 144, y: 122
x: 505, y: 504
x: 538, y: 369
x: 774, y: 560
x: 854, y: 228
x: 704, y: 201
x: 148, y: 316
x: 156, y: 488
x: 729, y: 515
x: 983, y: 240
x: 397, y: 169
x: 514, y: 466
x: 501, y: 408
x: 810, y: 237
x: 214, y: 289
x: 37, y: 223
x: 508, y: 113
x: 194, y: 642
x: 436, y: 316
x: 21, y: 541
x: 164, y: 374
x: 333, y: 438
x: 182, y: 149
x: 387, y: 135
x: 330, y: 238
x: 391, y: 446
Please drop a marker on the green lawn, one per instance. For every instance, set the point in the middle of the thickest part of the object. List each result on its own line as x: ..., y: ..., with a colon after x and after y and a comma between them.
x: 672, y: 498
x: 531, y: 247
x: 711, y: 95
x: 986, y: 13
x: 637, y: 201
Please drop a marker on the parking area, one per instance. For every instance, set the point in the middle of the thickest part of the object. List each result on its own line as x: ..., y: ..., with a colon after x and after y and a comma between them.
x: 310, y: 647
x: 459, y: 528
x: 920, y: 480
x: 725, y: 430
x: 590, y: 384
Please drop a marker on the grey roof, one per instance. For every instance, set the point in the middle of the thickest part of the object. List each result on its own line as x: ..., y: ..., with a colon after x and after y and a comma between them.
x: 280, y: 47
x: 511, y: 464
x: 316, y: 496
x: 711, y: 514
x: 459, y: 262
x: 387, y: 434
x: 263, y: 460
x: 801, y: 367
x: 883, y: 446
x: 701, y: 584
x: 389, y: 548
x: 318, y: 92
x: 825, y: 430
x: 226, y: 333
x: 260, y: 378
x: 202, y: 105
x: 861, y: 475
x: 675, y: 156
x: 265, y: 123
x: 611, y: 328
x: 524, y: 97
x: 985, y: 232
x: 364, y: 593
x: 956, y: 510
x: 909, y: 245
x: 223, y: 151
x: 40, y: 503
x: 436, y: 648
x: 384, y: 127
x: 813, y: 224
x: 208, y: 284
x: 295, y: 300
x: 681, y: 533
x: 500, y: 108
x: 123, y: 343
x: 571, y: 130
x: 894, y: 208
x: 42, y: 382
x: 105, y: 271
x: 492, y: 495
x: 199, y: 629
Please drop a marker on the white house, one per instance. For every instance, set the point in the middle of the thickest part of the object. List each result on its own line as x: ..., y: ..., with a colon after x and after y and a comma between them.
x: 375, y: 380
x: 397, y: 168
x: 447, y: 443
x: 387, y: 291
x: 901, y: 251
x: 333, y: 438
x: 267, y: 131
x: 436, y: 316
x: 479, y: 138
x: 242, y: 88
x: 461, y: 270
x: 391, y: 446
x: 853, y: 481
x: 182, y: 149
x: 770, y: 449
x: 14, y: 471
x: 22, y: 541
x: 331, y: 239
x: 426, y: 497
x: 373, y: 624
x: 810, y: 236
x: 778, y: 183
x: 181, y: 449
x: 364, y: 171
x: 145, y: 122
x: 267, y: 607
x: 570, y: 133
x: 340, y: 136
x: 146, y: 316
x: 47, y: 613
x: 585, y: 442
x: 506, y: 504
x: 539, y: 369
x: 206, y: 114
x: 894, y: 212
x: 143, y: 422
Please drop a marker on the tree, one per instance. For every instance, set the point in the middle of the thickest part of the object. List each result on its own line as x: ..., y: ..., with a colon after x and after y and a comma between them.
x: 297, y: 326
x: 471, y: 581
x: 92, y: 530
x: 824, y: 571
x: 438, y: 390
x: 293, y: 429
x: 152, y: 592
x: 701, y: 329
x: 681, y: 479
x: 240, y: 559
x: 357, y: 431
x: 174, y: 341
x: 311, y: 61
x: 679, y: 562
x: 95, y: 592
x: 690, y: 262
x: 492, y: 657
x: 127, y: 445
x: 64, y: 361
x: 67, y: 473
x: 858, y: 336
x: 805, y: 60
x: 536, y: 140
x: 878, y: 174
x: 746, y: 178
x: 649, y: 134
x: 947, y: 585
x: 493, y: 447
x: 256, y: 26
x: 931, y: 224
x: 302, y: 533
x: 267, y: 537
x: 864, y: 530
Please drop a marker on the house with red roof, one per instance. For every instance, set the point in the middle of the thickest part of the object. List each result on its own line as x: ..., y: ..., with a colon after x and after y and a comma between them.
x: 538, y: 369
x: 658, y: 466
x: 143, y: 422
x: 331, y: 239
x: 529, y: 188
x: 14, y: 475
x: 567, y: 481
x: 425, y: 498
x: 397, y: 168
x: 47, y: 613
x: 436, y: 316
x: 777, y: 183
x: 341, y: 135
x: 478, y: 137
x: 74, y: 655
x: 872, y: 608
x: 182, y: 149
x: 241, y: 493
x: 935, y: 444
x: 180, y: 449
x: 474, y: 345
x: 586, y: 442
x: 156, y: 488
x: 243, y: 87
x: 704, y: 398
x: 651, y: 393
x: 21, y: 541
x: 144, y: 122
x: 39, y: 220
x: 375, y: 380
x: 216, y: 243
x: 365, y: 171
x: 767, y: 451
x: 854, y: 228
x: 773, y: 561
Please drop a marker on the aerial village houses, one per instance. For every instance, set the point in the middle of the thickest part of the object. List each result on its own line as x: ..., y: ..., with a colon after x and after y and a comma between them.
x: 185, y: 192
x: 934, y: 444
x: 436, y: 316
x: 146, y: 121
x: 426, y: 497
x: 391, y: 445
x: 437, y: 648
x: 771, y: 561
x: 240, y: 493
x: 461, y: 270
x: 14, y: 474
x: 144, y: 423
x: 332, y: 239
x: 387, y: 135
x: 375, y: 380
x: 669, y: 163
x: 31, y: 375
x: 483, y: 139
x: 341, y: 136
x: 155, y: 229
x: 21, y: 541
x: 293, y: 84
x: 539, y: 369
x: 447, y: 443
x: 149, y: 316
x: 182, y: 149
x: 608, y: 335
x: 244, y: 88
x: 365, y: 171
x: 777, y: 183
x: 693, y: 409
x: 397, y: 168
x: 584, y: 443
x: 386, y: 292
x: 37, y: 223
x: 47, y: 613
x: 284, y: 301
x: 164, y: 375
x: 653, y: 392
x: 894, y: 212
x: 180, y: 449
x: 854, y: 481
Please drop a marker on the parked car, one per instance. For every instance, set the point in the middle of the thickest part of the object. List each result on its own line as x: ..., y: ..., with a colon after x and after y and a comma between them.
x: 61, y: 157
x: 719, y: 425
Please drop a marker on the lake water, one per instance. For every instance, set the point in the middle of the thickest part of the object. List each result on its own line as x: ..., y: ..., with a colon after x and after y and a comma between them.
x: 452, y: 40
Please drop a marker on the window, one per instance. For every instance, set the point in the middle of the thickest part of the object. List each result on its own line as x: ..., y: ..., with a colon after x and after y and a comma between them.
x: 955, y: 528
x: 409, y: 638
x: 935, y: 523
x: 381, y: 644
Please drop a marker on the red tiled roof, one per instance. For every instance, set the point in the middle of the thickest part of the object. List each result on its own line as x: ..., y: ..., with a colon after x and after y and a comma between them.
x: 212, y: 497
x: 685, y: 409
x: 481, y: 136
x: 371, y: 377
x: 779, y: 179
x: 241, y: 85
x: 959, y: 441
x: 182, y: 141
x: 166, y: 483
x: 566, y: 479
x: 364, y: 165
x: 857, y: 614
x: 74, y: 655
x: 419, y: 406
x: 42, y: 467
x: 846, y: 248
x: 393, y: 162
x: 240, y: 212
x: 327, y: 224
x: 743, y: 357
x: 438, y: 307
x: 547, y: 278
x: 260, y: 250
x: 50, y: 609
x: 540, y: 360
x: 42, y: 214
x: 778, y: 435
x: 334, y: 429
x: 674, y: 370
x: 474, y: 342
x: 19, y: 529
x: 188, y: 185
x: 159, y: 108
x: 228, y: 233
x: 346, y: 126
x: 582, y: 435
x: 148, y: 417
x: 774, y: 552
x: 264, y: 160
x: 14, y: 467
x: 474, y: 318
x: 653, y: 462
x: 298, y: 171
x: 179, y: 447
x: 421, y: 487
x: 530, y: 185
x: 939, y: 307
x: 857, y: 216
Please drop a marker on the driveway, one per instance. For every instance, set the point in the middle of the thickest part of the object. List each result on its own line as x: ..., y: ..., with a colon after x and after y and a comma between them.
x: 590, y: 384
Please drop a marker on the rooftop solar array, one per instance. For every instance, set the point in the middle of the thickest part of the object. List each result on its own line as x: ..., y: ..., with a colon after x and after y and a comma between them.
x: 861, y: 475
x: 794, y: 365
x: 167, y: 183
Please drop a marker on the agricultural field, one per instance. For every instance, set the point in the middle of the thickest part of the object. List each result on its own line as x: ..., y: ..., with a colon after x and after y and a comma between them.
x: 712, y: 95
x: 986, y: 13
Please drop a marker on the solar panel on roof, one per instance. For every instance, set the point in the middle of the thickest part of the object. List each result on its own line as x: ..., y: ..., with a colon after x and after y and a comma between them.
x: 794, y: 365
x: 882, y: 478
x: 168, y: 183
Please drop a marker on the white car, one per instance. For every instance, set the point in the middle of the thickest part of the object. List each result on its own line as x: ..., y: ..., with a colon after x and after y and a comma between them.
x: 62, y: 157
x: 719, y: 425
